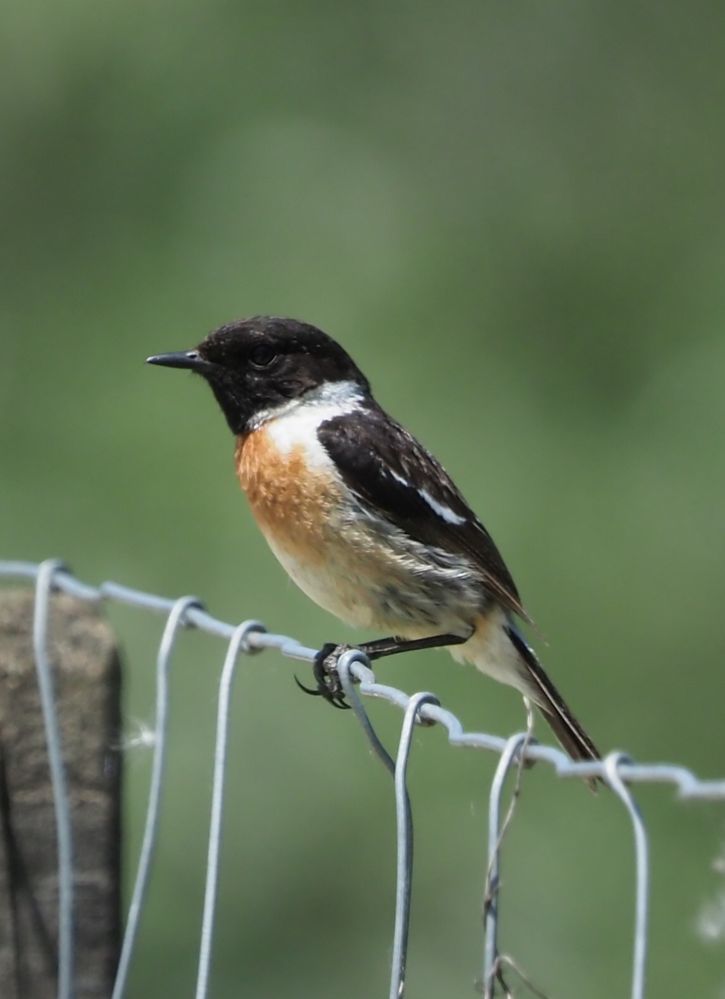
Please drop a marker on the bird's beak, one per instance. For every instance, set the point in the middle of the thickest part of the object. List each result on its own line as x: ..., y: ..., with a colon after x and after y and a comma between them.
x: 180, y: 359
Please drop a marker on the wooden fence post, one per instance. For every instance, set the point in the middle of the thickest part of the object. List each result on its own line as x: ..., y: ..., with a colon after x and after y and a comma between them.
x: 86, y: 666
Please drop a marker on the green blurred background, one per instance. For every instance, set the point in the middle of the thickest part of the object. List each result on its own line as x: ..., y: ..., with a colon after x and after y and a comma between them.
x: 512, y: 216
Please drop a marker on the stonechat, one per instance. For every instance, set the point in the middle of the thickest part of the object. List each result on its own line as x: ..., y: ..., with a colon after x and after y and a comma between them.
x: 363, y: 518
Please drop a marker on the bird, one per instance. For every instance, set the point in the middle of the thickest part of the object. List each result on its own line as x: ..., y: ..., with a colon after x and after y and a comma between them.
x: 363, y: 518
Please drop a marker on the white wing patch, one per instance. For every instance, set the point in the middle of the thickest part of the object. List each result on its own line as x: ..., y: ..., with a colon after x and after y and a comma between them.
x: 443, y: 511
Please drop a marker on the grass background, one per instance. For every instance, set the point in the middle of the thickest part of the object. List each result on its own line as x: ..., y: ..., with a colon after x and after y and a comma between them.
x: 512, y: 216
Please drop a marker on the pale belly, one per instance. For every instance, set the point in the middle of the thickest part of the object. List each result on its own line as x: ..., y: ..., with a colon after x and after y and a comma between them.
x: 396, y: 601
x: 337, y: 584
x: 385, y: 583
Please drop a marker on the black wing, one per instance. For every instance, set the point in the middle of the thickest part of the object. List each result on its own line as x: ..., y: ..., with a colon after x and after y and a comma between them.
x: 385, y: 466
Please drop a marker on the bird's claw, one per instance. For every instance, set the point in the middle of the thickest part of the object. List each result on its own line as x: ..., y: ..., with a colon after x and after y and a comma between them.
x: 307, y: 690
x: 324, y: 669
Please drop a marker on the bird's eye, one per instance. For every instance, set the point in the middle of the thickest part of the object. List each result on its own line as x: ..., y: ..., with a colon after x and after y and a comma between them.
x: 262, y: 356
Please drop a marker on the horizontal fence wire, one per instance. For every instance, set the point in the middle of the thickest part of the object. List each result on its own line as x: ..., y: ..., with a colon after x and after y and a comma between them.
x: 616, y: 770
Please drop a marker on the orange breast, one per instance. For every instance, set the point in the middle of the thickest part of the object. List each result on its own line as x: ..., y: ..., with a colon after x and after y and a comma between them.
x: 290, y: 502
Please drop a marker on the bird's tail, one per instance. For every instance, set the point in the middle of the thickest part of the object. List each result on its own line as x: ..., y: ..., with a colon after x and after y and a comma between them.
x: 552, y: 705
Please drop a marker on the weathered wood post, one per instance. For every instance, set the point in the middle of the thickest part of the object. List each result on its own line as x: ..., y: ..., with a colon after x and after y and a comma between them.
x: 85, y: 661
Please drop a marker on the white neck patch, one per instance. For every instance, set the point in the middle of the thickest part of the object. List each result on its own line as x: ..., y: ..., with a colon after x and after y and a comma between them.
x: 294, y: 423
x: 327, y: 400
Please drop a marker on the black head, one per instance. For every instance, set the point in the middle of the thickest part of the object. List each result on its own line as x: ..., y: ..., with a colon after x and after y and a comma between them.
x: 257, y: 364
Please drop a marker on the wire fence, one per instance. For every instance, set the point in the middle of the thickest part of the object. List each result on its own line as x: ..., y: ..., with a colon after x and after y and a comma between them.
x: 422, y: 708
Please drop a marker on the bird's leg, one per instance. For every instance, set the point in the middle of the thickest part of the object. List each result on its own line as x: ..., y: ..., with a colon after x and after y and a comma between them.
x: 324, y: 667
x: 393, y: 646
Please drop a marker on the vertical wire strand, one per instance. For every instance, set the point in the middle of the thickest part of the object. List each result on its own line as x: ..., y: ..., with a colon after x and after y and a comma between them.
x: 347, y: 661
x: 641, y: 852
x: 174, y: 622
x: 237, y: 643
x: 61, y: 801
x: 490, y: 949
x: 404, y: 823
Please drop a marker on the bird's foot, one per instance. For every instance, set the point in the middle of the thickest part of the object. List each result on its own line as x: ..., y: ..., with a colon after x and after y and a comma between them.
x: 324, y: 669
